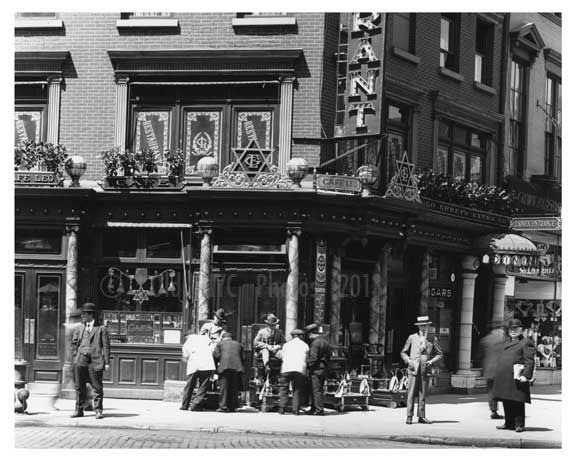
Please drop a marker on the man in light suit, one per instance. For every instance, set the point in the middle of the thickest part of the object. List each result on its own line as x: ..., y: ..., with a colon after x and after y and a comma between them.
x: 91, y: 357
x: 419, y: 354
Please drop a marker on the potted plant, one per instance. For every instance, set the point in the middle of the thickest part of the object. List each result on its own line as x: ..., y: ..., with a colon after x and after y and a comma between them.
x: 176, y: 165
x: 40, y: 157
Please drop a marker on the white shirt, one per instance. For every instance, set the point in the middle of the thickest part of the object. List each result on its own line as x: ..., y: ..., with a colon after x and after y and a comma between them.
x: 89, y: 326
x: 294, y: 354
x: 197, y: 350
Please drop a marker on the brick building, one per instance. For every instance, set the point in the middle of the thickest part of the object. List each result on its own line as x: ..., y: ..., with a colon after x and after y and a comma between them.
x: 252, y: 100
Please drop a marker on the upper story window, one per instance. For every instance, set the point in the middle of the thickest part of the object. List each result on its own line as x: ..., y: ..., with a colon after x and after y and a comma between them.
x: 145, y: 19
x: 30, y: 112
x: 517, y: 118
x: 397, y: 130
x: 483, y: 63
x: 264, y: 19
x: 404, y: 31
x: 461, y: 152
x: 553, y: 130
x: 145, y: 15
x: 449, y: 41
x: 205, y: 120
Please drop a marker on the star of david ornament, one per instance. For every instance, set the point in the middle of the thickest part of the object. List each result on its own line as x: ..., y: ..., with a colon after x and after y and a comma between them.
x: 404, y: 185
x: 140, y: 296
x: 252, y: 159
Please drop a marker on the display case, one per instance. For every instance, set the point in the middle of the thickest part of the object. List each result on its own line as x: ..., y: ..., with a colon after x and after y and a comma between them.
x: 143, y: 327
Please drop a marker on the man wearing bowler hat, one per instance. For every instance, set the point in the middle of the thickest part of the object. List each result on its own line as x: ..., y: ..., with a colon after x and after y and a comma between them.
x: 91, y: 357
x: 269, y: 340
x: 419, y: 354
x: 317, y: 361
x: 215, y: 327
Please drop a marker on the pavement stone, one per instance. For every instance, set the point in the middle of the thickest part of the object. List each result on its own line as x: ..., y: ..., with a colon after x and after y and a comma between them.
x: 457, y: 420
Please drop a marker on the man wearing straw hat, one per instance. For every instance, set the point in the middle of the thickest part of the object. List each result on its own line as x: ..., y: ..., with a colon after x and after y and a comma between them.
x: 419, y: 354
x: 269, y: 340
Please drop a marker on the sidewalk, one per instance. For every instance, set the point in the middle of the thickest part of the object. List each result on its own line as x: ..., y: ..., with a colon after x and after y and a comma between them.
x: 461, y: 420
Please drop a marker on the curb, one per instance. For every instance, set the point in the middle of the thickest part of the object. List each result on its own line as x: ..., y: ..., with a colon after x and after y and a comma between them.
x: 471, y: 442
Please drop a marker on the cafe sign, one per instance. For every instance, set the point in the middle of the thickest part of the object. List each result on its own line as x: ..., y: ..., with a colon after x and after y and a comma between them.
x: 36, y: 178
x: 331, y: 182
x: 365, y: 73
x: 536, y: 224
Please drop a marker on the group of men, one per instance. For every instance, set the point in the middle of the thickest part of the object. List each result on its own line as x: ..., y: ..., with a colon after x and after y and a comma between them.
x: 213, y: 350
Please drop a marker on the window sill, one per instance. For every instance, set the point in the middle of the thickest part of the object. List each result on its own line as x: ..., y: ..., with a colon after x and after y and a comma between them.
x: 405, y: 55
x: 146, y: 23
x: 450, y: 74
x: 485, y: 88
x: 264, y: 21
x: 39, y: 24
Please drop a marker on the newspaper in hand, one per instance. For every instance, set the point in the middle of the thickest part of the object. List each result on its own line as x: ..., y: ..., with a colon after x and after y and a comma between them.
x: 518, y: 369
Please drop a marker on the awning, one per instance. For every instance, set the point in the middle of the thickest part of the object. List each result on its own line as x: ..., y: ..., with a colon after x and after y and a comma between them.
x: 149, y: 225
x: 505, y: 244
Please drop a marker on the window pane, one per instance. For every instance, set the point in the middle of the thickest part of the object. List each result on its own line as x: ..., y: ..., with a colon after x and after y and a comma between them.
x: 478, y: 65
x: 203, y: 137
x: 459, y: 166
x: 460, y: 135
x: 402, y: 30
x: 42, y: 241
x: 162, y: 243
x: 119, y: 243
x: 48, y: 298
x: 18, y: 316
x: 444, y: 130
x: 445, y: 34
x: 475, y: 168
x: 27, y: 126
x: 153, y: 131
x: 476, y: 140
x: 441, y: 161
x: 257, y: 126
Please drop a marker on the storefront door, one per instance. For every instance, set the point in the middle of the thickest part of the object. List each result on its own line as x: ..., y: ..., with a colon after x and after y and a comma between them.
x: 38, y: 322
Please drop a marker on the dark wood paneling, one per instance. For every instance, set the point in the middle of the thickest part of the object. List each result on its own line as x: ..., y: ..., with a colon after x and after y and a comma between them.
x: 109, y: 375
x: 127, y: 370
x: 150, y: 371
x: 171, y: 370
x: 46, y: 375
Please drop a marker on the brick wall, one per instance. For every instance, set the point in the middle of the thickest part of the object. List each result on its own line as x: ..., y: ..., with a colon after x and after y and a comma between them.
x: 88, y: 93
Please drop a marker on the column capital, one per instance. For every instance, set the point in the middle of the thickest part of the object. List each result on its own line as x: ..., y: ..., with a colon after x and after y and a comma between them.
x: 72, y: 225
x: 469, y: 275
x: 500, y: 279
x: 122, y: 79
x: 287, y: 79
x: 54, y: 79
x: 470, y: 263
x: 205, y: 229
x: 293, y: 231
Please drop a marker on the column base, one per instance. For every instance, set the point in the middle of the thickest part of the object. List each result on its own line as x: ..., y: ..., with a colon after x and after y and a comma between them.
x: 467, y: 382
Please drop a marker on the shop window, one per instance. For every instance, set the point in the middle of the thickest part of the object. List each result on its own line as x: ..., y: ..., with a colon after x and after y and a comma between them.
x: 517, y: 104
x: 461, y: 152
x: 163, y: 244
x: 449, y: 41
x: 18, y: 316
x: 204, y: 120
x: 553, y: 130
x: 484, y: 55
x: 37, y: 241
x: 404, y: 31
x: 398, y: 129
x: 119, y: 243
x: 48, y: 309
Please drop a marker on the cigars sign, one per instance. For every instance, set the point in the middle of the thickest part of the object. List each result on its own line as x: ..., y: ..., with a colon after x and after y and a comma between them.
x: 364, y: 74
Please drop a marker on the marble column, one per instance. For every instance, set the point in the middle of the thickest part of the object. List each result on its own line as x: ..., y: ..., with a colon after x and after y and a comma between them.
x: 374, y: 313
x: 335, y: 288
x: 72, y: 316
x: 204, y: 274
x: 499, y: 293
x: 383, y: 302
x: 424, y: 283
x: 285, y: 122
x: 53, y: 122
x: 292, y: 280
x: 121, y: 115
x: 464, y: 379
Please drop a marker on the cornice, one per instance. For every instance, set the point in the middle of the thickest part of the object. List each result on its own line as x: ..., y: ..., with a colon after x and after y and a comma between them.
x: 28, y: 63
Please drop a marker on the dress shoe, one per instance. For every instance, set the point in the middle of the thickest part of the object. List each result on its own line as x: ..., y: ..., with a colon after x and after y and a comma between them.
x: 99, y: 414
x: 519, y: 429
x: 222, y: 410
x: 424, y: 421
x: 408, y: 420
x: 318, y: 413
x: 281, y: 411
x: 77, y: 414
x: 195, y: 409
x: 296, y: 413
x: 496, y: 416
x: 505, y: 427
x: 183, y: 408
x: 311, y: 411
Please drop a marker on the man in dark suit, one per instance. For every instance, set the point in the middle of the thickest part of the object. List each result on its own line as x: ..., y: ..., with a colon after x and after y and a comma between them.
x: 230, y: 357
x: 91, y: 357
x: 514, y: 391
x: 419, y: 353
x: 489, y: 349
x: 317, y: 366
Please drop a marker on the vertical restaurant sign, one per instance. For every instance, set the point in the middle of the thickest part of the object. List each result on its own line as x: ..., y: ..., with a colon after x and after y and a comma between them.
x: 365, y: 73
x: 320, y: 282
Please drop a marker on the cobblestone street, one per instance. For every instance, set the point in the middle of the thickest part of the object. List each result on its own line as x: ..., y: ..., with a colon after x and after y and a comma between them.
x: 68, y: 437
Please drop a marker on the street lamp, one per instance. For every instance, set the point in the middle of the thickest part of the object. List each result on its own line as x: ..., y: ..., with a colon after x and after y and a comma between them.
x: 208, y: 169
x: 368, y: 175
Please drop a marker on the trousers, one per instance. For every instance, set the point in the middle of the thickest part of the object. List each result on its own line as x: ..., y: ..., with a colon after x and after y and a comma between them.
x: 203, y: 379
x: 514, y: 413
x: 229, y: 387
x: 87, y: 374
x: 416, y: 389
x: 492, y: 402
x: 298, y: 380
x: 317, y: 379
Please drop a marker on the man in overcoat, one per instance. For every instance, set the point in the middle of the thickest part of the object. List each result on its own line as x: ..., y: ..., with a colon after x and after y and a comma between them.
x: 489, y: 349
x: 90, y: 348
x: 229, y: 355
x: 317, y: 362
x: 419, y: 353
x: 514, y: 391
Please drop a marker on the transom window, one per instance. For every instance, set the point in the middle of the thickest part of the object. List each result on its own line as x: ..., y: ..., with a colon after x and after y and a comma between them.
x: 205, y: 120
x: 449, y: 25
x: 461, y: 152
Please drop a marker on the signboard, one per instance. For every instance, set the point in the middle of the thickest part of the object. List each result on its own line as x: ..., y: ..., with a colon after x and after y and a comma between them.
x: 441, y: 292
x: 36, y: 178
x: 365, y: 73
x: 466, y: 213
x: 337, y: 183
x: 536, y: 224
x: 320, y: 283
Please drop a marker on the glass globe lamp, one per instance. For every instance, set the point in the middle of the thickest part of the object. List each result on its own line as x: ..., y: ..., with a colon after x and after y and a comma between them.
x: 297, y: 168
x: 208, y: 169
x: 368, y: 175
x: 75, y: 167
